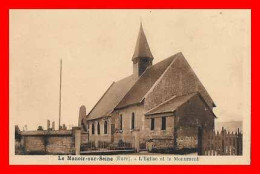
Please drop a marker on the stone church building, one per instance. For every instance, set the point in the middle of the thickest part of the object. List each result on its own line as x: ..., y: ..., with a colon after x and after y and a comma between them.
x: 163, y: 103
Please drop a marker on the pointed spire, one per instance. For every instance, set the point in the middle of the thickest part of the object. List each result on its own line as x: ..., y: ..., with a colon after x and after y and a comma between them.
x: 142, y: 49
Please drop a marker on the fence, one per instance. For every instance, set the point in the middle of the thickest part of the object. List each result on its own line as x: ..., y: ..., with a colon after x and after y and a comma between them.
x: 124, y: 145
x: 88, y: 146
x: 222, y: 143
x: 101, y: 145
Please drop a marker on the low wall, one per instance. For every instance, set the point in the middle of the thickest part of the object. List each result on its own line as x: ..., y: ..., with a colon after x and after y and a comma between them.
x: 187, y: 138
x: 47, y: 142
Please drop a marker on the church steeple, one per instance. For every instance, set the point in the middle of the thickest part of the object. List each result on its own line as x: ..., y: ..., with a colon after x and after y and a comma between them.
x: 142, y: 57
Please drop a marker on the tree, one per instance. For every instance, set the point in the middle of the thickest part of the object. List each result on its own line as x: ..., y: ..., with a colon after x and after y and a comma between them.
x: 40, y: 128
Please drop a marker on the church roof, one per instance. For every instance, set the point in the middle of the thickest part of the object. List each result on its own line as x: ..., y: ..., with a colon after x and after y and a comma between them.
x: 142, y: 48
x: 112, y: 97
x: 132, y: 90
x: 129, y: 90
x: 145, y: 82
x: 170, y: 105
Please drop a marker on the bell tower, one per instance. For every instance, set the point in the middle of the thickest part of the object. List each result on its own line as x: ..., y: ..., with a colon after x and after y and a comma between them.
x: 142, y: 57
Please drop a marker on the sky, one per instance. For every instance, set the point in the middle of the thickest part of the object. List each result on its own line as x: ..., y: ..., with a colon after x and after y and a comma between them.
x: 96, y: 47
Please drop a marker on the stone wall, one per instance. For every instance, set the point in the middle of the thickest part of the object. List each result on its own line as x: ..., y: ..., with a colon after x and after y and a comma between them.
x: 158, y: 132
x: 162, y: 139
x: 33, y: 144
x: 127, y: 134
x: 47, y: 142
x: 60, y: 145
x: 102, y: 137
x: 142, y: 129
x: 189, y: 117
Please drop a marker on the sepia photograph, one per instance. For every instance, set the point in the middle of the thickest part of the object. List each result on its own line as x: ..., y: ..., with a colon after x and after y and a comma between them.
x: 130, y: 86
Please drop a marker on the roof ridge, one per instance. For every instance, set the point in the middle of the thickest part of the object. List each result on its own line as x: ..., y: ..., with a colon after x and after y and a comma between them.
x: 214, y: 105
x: 133, y: 85
x: 132, y: 75
x: 101, y: 98
x: 109, y: 112
x: 131, y: 79
x: 172, y: 98
x: 165, y: 59
x: 162, y: 103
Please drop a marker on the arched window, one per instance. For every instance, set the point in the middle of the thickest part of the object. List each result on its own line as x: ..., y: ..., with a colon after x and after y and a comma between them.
x: 105, y: 127
x: 93, y: 128
x: 98, y: 128
x: 133, y: 121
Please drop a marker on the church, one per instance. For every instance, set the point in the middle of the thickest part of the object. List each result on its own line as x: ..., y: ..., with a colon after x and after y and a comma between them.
x: 163, y: 104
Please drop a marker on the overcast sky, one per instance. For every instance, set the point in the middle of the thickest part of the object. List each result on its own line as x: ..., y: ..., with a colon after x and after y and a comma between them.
x: 96, y: 47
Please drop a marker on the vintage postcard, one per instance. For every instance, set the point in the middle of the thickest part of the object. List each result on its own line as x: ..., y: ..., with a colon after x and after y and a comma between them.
x: 135, y: 87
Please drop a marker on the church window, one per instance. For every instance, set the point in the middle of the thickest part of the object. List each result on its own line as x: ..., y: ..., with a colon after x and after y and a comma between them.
x: 98, y: 128
x: 105, y: 127
x: 93, y: 128
x: 120, y: 122
x: 163, y: 123
x: 152, y: 123
x: 133, y: 121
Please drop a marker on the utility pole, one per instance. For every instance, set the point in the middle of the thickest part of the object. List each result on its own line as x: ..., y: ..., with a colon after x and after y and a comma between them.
x: 60, y: 92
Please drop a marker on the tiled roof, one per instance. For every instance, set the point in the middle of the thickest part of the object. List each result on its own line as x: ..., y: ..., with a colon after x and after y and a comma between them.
x: 170, y: 105
x: 111, y: 97
x: 145, y: 82
x: 132, y: 90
